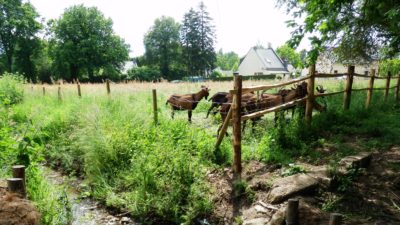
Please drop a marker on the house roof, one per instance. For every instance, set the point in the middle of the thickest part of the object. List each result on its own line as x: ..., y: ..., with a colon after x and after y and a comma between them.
x: 270, y: 60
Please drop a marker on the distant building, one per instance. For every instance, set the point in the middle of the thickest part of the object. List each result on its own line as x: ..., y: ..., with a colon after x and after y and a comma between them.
x: 262, y: 61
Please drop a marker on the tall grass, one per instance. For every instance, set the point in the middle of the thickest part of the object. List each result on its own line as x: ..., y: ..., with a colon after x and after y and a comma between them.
x: 156, y: 172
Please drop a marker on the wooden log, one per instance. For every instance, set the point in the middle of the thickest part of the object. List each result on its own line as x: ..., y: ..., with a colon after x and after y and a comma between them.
x: 396, y: 93
x: 222, y: 132
x: 329, y: 94
x: 335, y: 219
x: 349, y: 85
x: 18, y: 171
x: 79, y: 89
x: 329, y: 75
x: 236, y: 122
x: 387, y: 87
x: 310, y: 98
x: 16, y: 185
x: 292, y: 212
x: 370, y: 89
x: 155, y: 106
x: 108, y: 86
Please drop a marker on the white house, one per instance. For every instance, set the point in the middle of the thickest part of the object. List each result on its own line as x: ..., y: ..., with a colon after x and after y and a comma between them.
x: 262, y: 61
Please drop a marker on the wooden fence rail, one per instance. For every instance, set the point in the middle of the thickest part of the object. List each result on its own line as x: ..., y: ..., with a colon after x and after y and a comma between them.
x: 234, y: 114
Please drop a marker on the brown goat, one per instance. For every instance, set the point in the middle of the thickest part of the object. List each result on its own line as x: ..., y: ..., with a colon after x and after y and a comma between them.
x: 187, y: 102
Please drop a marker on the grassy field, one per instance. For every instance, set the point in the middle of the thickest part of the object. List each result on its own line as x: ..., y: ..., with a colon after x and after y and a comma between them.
x: 157, y: 173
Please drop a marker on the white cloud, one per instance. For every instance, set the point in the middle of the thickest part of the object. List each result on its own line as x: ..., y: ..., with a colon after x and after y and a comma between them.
x: 239, y: 24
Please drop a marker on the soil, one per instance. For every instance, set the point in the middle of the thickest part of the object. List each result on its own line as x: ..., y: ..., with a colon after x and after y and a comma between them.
x: 372, y: 197
x: 16, y: 211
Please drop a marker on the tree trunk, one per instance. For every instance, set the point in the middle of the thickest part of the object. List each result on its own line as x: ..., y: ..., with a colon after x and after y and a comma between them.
x: 74, y: 72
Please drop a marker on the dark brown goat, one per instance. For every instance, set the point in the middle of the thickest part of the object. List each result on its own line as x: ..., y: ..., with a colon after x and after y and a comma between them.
x: 217, y: 100
x: 187, y: 102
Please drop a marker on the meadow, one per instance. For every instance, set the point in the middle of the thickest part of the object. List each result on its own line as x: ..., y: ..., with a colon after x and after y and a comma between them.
x: 157, y: 172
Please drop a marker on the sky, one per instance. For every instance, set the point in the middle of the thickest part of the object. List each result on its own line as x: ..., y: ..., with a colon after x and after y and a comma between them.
x: 239, y: 25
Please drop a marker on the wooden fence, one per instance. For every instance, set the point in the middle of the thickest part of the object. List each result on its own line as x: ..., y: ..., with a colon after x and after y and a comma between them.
x: 235, y: 117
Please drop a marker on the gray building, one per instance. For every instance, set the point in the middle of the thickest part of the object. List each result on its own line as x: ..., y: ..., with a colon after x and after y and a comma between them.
x: 262, y: 61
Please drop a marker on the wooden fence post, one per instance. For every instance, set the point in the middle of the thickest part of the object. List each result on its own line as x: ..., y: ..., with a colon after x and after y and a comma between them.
x: 387, y: 85
x: 44, y: 91
x: 370, y: 88
x: 292, y: 212
x: 79, y: 89
x: 349, y: 86
x: 335, y: 219
x: 16, y: 185
x: 155, y: 106
x: 18, y: 171
x: 396, y: 94
x: 59, y: 93
x: 224, y: 127
x: 236, y: 122
x: 310, y: 98
x: 108, y: 86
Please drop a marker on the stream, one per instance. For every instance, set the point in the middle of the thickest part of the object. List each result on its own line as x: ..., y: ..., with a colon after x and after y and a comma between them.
x: 84, y: 210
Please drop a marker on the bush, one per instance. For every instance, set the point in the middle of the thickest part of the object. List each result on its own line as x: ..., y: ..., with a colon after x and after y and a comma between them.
x: 144, y: 73
x: 11, y: 89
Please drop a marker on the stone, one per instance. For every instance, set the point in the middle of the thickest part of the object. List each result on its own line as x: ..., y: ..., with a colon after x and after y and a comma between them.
x: 287, y: 187
x: 257, y: 221
x: 321, y: 174
x: 361, y: 160
x: 260, y: 209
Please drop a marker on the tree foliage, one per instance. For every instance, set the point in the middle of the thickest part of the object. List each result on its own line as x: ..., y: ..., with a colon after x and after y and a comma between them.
x: 356, y: 28
x: 18, y: 29
x: 285, y: 52
x: 84, y: 43
x: 197, y: 37
x: 228, y: 61
x: 391, y: 65
x: 162, y: 45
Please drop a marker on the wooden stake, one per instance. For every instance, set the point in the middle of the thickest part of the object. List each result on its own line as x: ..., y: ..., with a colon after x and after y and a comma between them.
x: 387, y: 86
x: 225, y: 125
x: 349, y: 86
x: 108, y: 86
x: 335, y: 219
x: 370, y: 89
x: 155, y: 106
x: 16, y: 185
x: 44, y: 91
x: 311, y: 97
x: 59, y: 93
x: 396, y: 94
x: 292, y: 212
x: 79, y: 89
x: 236, y: 122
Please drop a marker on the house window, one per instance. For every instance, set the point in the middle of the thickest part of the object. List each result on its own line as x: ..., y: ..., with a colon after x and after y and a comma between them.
x: 366, y: 73
x: 335, y: 71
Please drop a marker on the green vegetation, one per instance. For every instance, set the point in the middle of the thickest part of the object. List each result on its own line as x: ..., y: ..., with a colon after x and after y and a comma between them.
x: 157, y: 173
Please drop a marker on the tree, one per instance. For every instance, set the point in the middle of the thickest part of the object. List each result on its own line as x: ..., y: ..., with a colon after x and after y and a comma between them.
x: 228, y: 61
x: 162, y: 45
x: 83, y: 43
x: 197, y: 37
x: 355, y: 28
x: 285, y: 52
x: 18, y: 27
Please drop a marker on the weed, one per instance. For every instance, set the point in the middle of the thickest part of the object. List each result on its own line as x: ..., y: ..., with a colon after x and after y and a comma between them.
x: 293, y: 169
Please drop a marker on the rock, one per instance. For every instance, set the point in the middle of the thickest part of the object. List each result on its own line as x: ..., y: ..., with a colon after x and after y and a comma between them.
x: 260, y: 209
x: 361, y: 160
x: 286, y: 187
x: 257, y: 221
x: 307, y: 215
x: 321, y: 174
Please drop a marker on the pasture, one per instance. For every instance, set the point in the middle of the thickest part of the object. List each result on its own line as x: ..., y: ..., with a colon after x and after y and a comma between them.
x: 157, y: 173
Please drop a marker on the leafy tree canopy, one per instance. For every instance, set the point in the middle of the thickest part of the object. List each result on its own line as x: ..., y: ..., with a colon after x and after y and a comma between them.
x: 162, y: 45
x: 356, y: 28
x: 228, y: 61
x: 287, y: 53
x: 83, y: 42
x: 18, y: 27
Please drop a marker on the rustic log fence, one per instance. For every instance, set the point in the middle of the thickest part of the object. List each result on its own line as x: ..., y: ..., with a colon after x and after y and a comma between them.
x: 234, y: 115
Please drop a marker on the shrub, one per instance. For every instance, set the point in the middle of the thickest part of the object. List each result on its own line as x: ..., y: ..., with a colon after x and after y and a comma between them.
x: 11, y: 89
x: 144, y: 73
